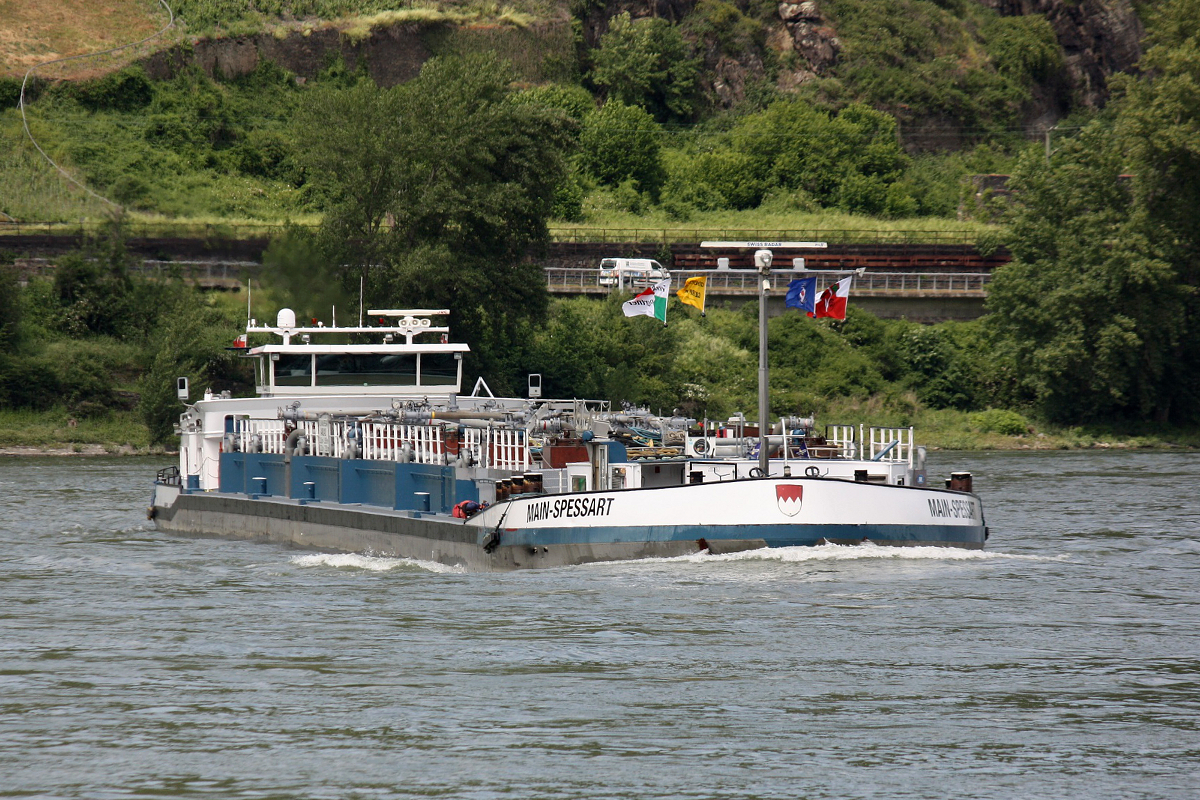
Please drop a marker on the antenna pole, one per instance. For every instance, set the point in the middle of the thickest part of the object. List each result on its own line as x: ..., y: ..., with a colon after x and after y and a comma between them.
x: 360, y: 300
x: 762, y: 260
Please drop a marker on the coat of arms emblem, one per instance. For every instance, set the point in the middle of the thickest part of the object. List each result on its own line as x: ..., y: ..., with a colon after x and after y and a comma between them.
x: 789, y: 497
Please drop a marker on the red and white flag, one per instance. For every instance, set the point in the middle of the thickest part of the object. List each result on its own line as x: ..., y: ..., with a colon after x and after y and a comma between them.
x: 832, y: 302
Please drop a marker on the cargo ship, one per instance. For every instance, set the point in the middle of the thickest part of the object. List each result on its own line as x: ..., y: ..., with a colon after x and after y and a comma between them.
x: 373, y: 447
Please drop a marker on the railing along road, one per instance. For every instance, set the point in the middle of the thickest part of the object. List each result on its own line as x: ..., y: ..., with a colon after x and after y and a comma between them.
x: 745, y: 282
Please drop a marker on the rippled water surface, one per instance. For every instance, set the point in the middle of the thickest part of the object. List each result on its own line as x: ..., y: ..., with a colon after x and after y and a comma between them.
x: 1061, y: 662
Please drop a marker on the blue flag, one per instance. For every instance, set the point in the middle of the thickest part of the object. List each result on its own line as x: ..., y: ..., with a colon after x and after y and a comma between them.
x: 802, y: 294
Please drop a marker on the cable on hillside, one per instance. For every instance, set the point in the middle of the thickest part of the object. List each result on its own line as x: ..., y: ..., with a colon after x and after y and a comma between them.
x: 21, y: 101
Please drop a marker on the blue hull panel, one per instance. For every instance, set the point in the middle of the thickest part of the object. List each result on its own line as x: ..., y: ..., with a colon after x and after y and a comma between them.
x: 773, y: 535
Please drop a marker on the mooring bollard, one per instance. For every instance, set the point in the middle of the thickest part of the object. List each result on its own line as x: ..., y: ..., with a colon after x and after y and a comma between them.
x: 960, y: 481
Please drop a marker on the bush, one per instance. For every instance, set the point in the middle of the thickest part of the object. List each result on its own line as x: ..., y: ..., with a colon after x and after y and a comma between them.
x: 1001, y: 421
x: 10, y: 307
x: 619, y: 143
x: 93, y: 295
x: 85, y: 385
x: 568, y: 198
x: 574, y: 101
x: 647, y: 63
x: 127, y: 90
x: 723, y: 23
x: 848, y: 160
x: 27, y: 383
x: 10, y: 91
x: 714, y: 180
x: 1023, y: 47
x: 922, y: 61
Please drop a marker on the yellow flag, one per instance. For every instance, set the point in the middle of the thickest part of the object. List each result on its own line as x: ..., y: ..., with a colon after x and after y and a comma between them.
x: 692, y: 292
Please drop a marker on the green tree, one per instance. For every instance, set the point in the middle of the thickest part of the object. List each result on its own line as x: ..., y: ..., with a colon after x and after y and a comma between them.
x: 849, y: 160
x: 1088, y: 310
x: 620, y: 142
x: 478, y: 169
x: 647, y: 63
x: 589, y: 349
x: 571, y: 99
x: 438, y: 189
x: 355, y: 164
x: 191, y: 339
x: 1100, y: 307
x: 10, y: 308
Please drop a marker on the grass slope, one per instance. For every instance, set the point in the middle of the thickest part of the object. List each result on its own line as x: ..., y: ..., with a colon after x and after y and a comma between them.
x: 33, y: 31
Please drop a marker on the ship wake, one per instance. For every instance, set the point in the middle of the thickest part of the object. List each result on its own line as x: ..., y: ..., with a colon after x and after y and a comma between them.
x: 370, y: 563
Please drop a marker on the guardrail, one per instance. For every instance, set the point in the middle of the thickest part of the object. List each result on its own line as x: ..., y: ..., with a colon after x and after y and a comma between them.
x: 582, y: 235
x: 151, y: 230
x: 558, y: 233
x: 214, y: 274
x: 737, y: 282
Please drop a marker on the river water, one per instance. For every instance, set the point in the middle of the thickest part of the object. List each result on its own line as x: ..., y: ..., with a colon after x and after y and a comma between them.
x: 1061, y: 662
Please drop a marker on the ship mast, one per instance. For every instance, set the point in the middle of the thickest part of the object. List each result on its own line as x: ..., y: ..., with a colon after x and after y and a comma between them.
x: 763, y: 256
x: 762, y: 261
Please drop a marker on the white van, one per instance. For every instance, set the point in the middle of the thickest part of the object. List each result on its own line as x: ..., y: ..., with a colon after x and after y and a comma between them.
x: 631, y: 273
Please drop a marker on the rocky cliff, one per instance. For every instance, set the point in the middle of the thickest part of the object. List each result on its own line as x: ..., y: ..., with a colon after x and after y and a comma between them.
x: 391, y: 54
x: 1098, y: 37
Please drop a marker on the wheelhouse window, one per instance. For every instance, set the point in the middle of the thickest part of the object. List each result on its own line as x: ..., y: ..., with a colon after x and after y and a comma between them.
x: 439, y: 369
x: 293, y: 369
x: 367, y: 369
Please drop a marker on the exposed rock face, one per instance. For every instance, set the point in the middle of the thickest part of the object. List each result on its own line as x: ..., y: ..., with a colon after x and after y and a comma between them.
x: 393, y: 54
x: 805, y: 33
x: 1098, y: 37
x: 730, y: 75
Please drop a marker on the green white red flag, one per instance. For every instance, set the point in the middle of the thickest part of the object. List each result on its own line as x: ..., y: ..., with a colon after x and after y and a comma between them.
x: 652, y: 302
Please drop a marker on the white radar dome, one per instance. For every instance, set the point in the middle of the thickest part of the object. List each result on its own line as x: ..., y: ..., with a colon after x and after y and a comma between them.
x: 286, y: 318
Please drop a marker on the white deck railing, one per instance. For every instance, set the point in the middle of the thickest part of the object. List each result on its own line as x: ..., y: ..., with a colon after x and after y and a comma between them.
x: 497, y: 448
x: 842, y: 437
x: 893, y: 445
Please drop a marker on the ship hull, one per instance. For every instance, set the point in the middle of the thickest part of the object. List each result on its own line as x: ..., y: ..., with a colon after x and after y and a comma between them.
x: 576, y: 528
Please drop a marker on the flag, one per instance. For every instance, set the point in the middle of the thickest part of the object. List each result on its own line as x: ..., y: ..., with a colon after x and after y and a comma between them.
x: 652, y: 302
x: 802, y: 294
x: 692, y: 292
x: 832, y: 302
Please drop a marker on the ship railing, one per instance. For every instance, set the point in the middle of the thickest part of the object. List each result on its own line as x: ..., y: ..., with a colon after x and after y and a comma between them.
x: 271, y: 434
x: 508, y: 449
x: 325, y: 437
x: 497, y: 448
x: 423, y: 444
x: 169, y: 476
x: 844, y: 439
x: 475, y: 446
x: 384, y: 441
x: 892, y: 445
